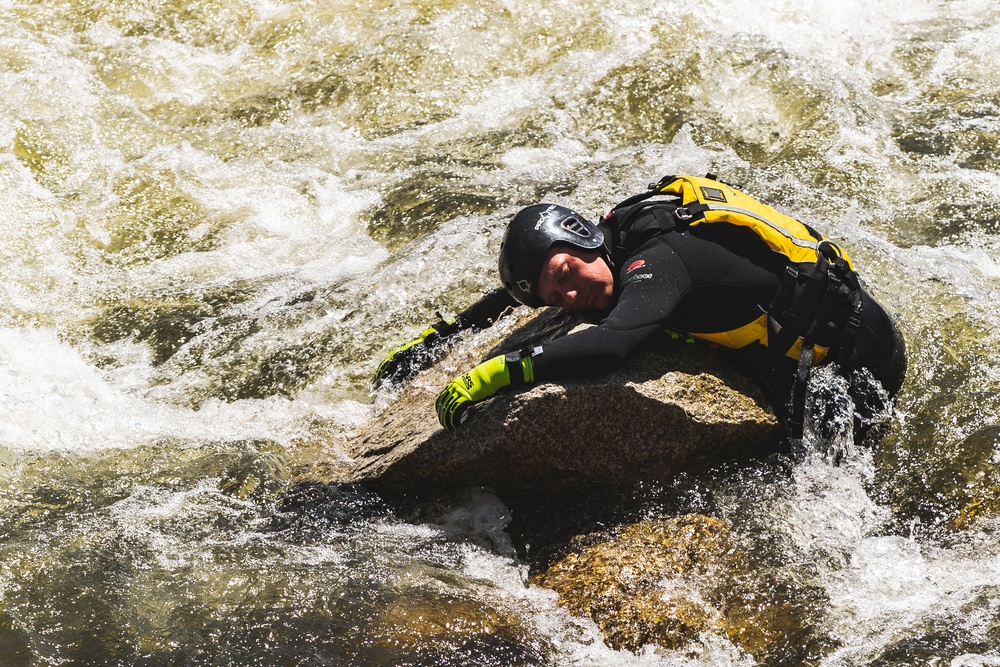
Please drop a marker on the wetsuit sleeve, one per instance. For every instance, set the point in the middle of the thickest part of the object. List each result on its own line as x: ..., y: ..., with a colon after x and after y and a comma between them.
x: 650, y: 284
x: 424, y: 350
x: 486, y: 311
x: 480, y: 315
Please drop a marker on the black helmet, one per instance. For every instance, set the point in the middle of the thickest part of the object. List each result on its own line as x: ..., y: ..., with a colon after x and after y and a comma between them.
x: 530, y: 236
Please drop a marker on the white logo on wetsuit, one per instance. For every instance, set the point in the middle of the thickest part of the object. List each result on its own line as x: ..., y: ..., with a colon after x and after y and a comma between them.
x: 637, y: 264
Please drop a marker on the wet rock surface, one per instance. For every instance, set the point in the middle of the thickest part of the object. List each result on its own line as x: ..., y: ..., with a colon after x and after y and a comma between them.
x: 434, y: 627
x: 666, y: 581
x: 673, y: 407
x: 639, y: 583
x: 971, y: 477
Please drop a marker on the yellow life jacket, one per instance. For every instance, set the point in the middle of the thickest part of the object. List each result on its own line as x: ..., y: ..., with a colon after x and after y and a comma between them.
x: 816, y: 266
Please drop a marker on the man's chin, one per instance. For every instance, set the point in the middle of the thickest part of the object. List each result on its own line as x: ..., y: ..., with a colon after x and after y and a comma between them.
x: 590, y: 304
x: 601, y: 303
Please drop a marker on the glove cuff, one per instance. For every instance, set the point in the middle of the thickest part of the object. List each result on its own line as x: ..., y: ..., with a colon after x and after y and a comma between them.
x: 519, y: 368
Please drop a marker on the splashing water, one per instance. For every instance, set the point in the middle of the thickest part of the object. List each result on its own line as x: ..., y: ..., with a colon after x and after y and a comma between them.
x: 218, y: 216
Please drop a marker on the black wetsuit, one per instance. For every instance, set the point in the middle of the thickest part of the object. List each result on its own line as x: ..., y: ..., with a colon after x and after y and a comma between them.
x: 704, y: 279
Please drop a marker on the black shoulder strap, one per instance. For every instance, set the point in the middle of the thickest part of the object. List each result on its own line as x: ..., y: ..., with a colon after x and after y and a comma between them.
x: 659, y: 217
x: 652, y: 190
x: 640, y: 222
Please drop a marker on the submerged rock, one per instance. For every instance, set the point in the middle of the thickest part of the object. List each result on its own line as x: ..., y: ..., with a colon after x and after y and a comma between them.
x: 673, y: 407
x: 640, y: 583
x: 435, y: 627
x: 669, y: 580
x: 972, y: 477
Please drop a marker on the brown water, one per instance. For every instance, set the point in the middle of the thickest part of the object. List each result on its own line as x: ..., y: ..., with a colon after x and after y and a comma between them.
x: 219, y: 216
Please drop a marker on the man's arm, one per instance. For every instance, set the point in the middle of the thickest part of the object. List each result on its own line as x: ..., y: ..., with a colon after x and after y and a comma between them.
x: 649, y: 293
x: 651, y: 284
x: 588, y: 352
x: 414, y: 356
x: 594, y: 350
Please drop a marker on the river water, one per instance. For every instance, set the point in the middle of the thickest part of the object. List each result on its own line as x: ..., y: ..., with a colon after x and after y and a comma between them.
x: 219, y: 215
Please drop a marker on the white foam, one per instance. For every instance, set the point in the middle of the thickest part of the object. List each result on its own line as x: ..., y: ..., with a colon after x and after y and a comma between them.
x: 53, y: 399
x: 894, y: 583
x: 293, y: 195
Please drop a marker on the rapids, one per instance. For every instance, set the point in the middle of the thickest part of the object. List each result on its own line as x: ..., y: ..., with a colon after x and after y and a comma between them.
x: 219, y: 215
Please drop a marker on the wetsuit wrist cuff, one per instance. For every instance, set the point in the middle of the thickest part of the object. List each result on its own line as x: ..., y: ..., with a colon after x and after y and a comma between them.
x: 519, y: 368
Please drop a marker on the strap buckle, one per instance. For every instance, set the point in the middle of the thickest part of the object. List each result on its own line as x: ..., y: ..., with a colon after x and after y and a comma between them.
x: 683, y: 214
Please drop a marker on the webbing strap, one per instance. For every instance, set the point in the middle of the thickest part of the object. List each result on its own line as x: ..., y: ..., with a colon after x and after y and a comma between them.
x: 796, y: 418
x: 821, y: 320
x: 662, y: 220
x: 665, y: 222
x: 793, y: 309
x: 850, y: 330
x: 835, y: 319
x: 514, y: 367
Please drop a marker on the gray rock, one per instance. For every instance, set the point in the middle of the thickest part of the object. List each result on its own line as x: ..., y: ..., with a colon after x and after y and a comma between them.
x: 673, y: 407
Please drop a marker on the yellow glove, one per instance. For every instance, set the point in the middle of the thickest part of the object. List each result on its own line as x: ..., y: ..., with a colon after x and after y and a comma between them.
x: 414, y: 356
x: 480, y: 383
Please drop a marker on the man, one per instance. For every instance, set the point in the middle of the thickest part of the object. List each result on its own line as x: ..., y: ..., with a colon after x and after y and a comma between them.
x: 693, y: 255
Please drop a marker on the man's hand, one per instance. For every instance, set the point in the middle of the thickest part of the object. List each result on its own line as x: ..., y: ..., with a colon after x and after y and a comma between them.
x: 414, y: 356
x: 480, y: 383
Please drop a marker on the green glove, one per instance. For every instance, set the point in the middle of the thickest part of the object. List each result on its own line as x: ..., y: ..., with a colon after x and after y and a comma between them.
x: 414, y: 356
x: 480, y: 383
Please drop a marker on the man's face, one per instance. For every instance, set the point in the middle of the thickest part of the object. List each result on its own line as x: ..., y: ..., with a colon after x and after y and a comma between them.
x: 575, y: 279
